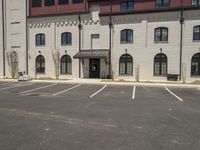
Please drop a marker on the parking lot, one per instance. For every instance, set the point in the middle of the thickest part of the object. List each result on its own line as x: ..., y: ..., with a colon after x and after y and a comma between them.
x: 62, y: 116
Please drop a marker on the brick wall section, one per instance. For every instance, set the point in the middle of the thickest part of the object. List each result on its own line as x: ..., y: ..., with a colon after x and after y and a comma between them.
x: 57, y: 9
x: 138, y: 4
x: 104, y: 6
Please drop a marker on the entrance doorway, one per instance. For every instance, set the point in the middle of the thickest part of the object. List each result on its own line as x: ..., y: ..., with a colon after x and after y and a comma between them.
x: 94, y: 68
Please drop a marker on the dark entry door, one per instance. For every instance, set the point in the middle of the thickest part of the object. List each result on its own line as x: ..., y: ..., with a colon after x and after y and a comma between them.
x: 94, y: 69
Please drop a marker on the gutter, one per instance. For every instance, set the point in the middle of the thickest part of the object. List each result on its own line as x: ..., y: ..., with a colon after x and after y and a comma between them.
x: 79, y: 27
x: 26, y: 39
x: 110, y: 39
x: 3, y: 27
x: 181, y: 41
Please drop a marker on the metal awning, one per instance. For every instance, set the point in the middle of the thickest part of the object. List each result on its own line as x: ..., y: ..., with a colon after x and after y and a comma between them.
x: 92, y: 54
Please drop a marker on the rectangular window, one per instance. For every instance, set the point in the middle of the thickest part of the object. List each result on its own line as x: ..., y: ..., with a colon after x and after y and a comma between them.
x: 63, y: 2
x: 125, y: 6
x: 126, y: 36
x: 162, y: 3
x: 49, y: 2
x: 196, y: 33
x: 36, y: 3
x: 195, y: 2
x: 77, y: 1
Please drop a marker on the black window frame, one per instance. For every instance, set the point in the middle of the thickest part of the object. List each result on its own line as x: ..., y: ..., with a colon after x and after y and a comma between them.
x: 67, y: 62
x: 63, y: 2
x: 195, y: 62
x: 40, y: 39
x: 127, y: 7
x: 125, y: 59
x: 197, y: 2
x: 49, y: 3
x: 125, y: 40
x: 64, y: 40
x: 36, y: 3
x: 77, y: 1
x: 161, y: 35
x: 162, y: 4
x: 198, y: 34
x: 40, y: 60
x: 158, y: 58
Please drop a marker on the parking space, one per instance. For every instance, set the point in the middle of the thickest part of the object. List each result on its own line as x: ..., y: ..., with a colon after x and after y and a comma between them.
x: 103, y: 92
x: 20, y: 88
x: 134, y: 117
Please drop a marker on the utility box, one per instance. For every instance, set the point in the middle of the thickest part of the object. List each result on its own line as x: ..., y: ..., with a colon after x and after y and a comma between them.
x: 23, y: 77
x: 172, y: 77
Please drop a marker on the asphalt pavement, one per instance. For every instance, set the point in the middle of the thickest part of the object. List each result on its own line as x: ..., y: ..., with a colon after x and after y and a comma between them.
x: 79, y: 116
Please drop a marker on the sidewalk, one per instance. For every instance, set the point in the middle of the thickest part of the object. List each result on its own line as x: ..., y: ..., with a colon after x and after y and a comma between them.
x: 110, y: 82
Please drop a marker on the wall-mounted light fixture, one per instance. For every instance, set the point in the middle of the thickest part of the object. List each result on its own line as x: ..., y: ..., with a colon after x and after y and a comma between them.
x: 126, y: 50
x: 160, y: 50
x: 65, y: 51
x: 39, y: 52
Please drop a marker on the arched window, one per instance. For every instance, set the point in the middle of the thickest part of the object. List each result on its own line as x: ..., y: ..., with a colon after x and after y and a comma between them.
x: 195, y: 65
x: 40, y: 39
x: 161, y: 34
x: 160, y: 64
x: 66, y: 38
x: 40, y: 64
x: 126, y: 65
x: 127, y: 36
x: 66, y: 65
x: 196, y: 33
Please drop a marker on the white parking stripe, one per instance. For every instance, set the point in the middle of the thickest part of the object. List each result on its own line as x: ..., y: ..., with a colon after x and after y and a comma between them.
x: 174, y: 94
x: 12, y: 87
x: 35, y: 89
x: 133, y: 96
x: 98, y: 91
x: 67, y: 90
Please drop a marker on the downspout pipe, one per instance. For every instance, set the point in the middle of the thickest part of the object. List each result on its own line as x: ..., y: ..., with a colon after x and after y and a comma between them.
x: 3, y: 27
x: 79, y: 27
x: 181, y: 40
x: 110, y: 40
x: 26, y: 38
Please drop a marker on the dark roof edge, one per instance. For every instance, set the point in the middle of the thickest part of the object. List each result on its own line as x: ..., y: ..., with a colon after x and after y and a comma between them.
x: 60, y: 14
x: 151, y: 11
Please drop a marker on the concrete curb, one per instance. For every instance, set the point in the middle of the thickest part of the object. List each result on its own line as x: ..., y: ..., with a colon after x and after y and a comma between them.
x: 102, y: 82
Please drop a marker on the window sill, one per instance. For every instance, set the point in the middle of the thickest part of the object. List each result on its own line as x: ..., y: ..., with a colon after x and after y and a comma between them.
x: 161, y: 42
x: 40, y: 46
x: 196, y: 41
x: 159, y: 75
x: 40, y: 73
x: 126, y: 75
x: 195, y: 76
x: 126, y: 43
x: 66, y: 74
x: 66, y: 44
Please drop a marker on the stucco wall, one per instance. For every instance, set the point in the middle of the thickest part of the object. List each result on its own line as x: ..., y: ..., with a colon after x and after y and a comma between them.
x: 143, y: 49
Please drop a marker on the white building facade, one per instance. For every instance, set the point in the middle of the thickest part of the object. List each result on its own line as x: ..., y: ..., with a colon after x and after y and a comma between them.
x: 145, y: 46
